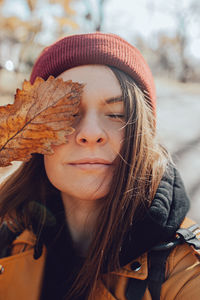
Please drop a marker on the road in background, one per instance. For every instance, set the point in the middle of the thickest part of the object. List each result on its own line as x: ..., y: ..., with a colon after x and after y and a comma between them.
x: 178, y: 113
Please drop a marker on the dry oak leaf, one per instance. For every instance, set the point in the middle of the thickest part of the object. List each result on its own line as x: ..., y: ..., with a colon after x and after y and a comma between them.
x: 41, y: 116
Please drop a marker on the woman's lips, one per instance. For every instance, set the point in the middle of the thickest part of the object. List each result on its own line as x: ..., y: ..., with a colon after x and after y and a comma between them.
x: 91, y: 164
x: 90, y: 167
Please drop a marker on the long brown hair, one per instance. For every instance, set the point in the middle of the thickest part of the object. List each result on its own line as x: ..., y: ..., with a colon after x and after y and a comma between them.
x: 142, y: 161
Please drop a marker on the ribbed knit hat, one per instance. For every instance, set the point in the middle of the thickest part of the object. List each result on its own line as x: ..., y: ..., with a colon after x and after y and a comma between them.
x: 96, y: 48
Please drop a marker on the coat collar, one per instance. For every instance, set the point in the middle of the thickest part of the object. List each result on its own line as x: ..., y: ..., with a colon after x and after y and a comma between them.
x: 137, y: 268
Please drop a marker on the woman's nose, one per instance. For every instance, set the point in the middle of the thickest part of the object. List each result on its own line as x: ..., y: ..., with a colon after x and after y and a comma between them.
x: 91, y: 132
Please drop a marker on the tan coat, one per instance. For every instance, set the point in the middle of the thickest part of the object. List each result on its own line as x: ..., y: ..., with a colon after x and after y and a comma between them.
x: 21, y: 275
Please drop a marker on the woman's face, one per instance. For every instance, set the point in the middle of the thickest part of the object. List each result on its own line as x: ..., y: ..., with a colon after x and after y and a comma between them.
x: 83, y: 167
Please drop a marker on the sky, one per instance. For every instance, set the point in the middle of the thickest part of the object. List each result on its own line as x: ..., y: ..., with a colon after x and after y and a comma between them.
x: 127, y: 18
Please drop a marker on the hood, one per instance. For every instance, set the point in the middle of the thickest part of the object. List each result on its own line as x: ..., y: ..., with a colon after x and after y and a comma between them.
x: 162, y: 219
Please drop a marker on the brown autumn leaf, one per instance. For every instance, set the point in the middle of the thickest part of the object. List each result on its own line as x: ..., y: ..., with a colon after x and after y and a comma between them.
x: 41, y: 116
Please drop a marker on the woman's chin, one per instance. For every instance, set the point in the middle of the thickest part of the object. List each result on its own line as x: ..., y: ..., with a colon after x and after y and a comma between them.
x: 86, y: 193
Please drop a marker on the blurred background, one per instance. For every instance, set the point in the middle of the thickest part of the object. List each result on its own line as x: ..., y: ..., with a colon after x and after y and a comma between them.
x: 166, y: 32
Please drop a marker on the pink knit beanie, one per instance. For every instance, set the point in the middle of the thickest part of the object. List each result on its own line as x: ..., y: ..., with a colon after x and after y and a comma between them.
x: 96, y: 48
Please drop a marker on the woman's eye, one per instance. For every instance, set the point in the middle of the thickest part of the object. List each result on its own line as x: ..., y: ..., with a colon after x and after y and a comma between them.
x: 116, y: 116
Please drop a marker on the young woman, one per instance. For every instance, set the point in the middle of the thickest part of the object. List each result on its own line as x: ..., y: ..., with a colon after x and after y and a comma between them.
x: 89, y: 217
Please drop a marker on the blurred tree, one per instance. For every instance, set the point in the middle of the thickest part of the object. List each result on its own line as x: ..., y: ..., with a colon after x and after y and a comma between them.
x: 94, y: 13
x: 182, y: 18
x: 65, y: 4
x: 66, y: 19
x: 173, y: 48
x: 24, y: 32
x: 170, y: 56
x: 101, y: 15
x: 32, y: 4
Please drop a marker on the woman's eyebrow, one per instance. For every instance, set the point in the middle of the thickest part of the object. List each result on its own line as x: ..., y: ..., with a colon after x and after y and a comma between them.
x: 114, y: 100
